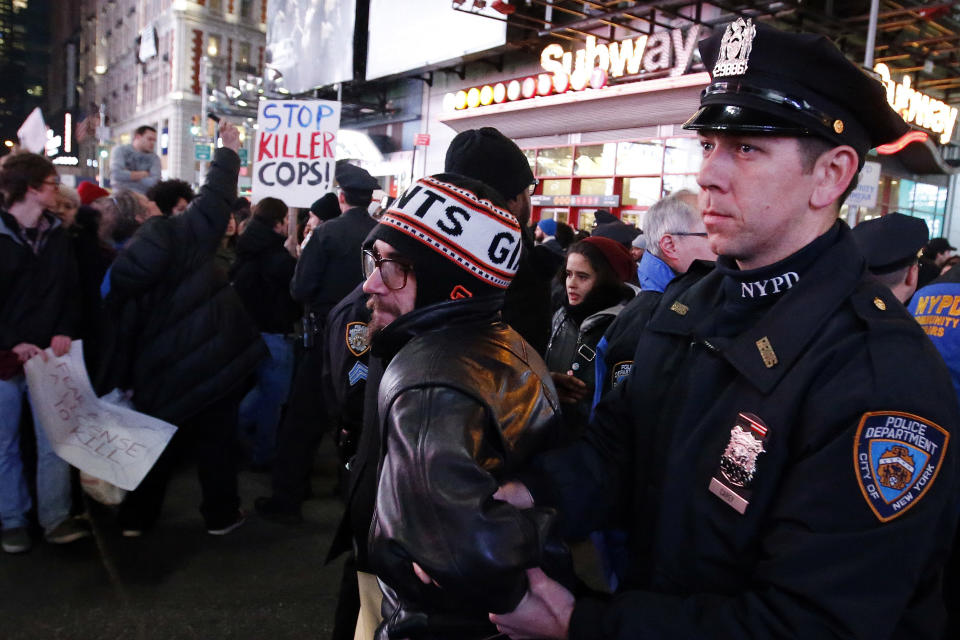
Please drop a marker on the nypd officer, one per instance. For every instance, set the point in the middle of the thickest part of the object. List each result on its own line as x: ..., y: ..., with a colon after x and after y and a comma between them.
x: 328, y: 269
x: 780, y: 453
x: 891, y: 244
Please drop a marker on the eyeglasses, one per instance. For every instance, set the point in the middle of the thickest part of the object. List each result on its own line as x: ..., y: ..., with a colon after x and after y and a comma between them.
x: 533, y: 186
x: 392, y: 272
x: 54, y: 181
x: 699, y: 234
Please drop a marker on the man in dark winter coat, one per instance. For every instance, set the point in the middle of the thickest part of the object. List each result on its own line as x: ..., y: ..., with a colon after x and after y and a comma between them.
x: 463, y: 400
x: 329, y: 268
x: 781, y: 451
x: 39, y: 307
x: 185, y: 344
x: 675, y: 238
x: 489, y: 156
x: 261, y: 276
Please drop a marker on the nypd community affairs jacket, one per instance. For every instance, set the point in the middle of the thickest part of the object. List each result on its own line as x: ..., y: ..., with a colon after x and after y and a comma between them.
x: 796, y: 480
x: 464, y: 402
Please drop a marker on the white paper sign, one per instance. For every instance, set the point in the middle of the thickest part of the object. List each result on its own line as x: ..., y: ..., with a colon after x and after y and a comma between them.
x: 33, y: 132
x: 868, y: 184
x: 295, y: 151
x: 107, y: 441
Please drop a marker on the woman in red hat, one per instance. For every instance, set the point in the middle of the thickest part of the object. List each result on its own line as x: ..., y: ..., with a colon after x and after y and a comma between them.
x: 595, y: 280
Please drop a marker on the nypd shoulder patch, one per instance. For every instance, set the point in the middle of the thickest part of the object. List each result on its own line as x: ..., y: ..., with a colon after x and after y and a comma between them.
x: 620, y: 372
x: 897, y: 456
x: 357, y: 340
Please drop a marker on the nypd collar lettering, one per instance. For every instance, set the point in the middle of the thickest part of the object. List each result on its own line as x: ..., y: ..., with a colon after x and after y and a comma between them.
x: 897, y: 456
x: 770, y: 286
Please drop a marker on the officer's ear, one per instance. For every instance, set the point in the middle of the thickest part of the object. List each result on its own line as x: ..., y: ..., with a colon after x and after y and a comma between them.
x: 833, y: 172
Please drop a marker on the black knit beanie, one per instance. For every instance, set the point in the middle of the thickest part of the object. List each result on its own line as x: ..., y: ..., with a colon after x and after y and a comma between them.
x: 492, y: 158
x: 327, y: 207
x: 456, y: 231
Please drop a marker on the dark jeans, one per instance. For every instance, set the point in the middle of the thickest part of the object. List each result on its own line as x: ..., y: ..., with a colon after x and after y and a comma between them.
x: 303, y: 424
x: 211, y: 436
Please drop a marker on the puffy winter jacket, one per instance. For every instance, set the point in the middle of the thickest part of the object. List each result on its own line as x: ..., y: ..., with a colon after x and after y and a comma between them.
x: 184, y: 333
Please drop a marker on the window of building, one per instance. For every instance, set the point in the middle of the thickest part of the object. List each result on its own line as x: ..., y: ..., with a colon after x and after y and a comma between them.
x: 213, y: 45
x: 243, y: 53
x: 246, y: 8
x: 626, y: 177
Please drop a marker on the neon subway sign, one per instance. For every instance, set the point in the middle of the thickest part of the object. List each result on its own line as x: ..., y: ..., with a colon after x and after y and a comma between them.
x: 916, y: 107
x: 589, y: 67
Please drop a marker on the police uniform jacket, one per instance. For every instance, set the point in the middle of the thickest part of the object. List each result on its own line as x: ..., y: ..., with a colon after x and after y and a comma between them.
x: 464, y: 402
x: 345, y: 369
x: 809, y: 557
x: 329, y: 267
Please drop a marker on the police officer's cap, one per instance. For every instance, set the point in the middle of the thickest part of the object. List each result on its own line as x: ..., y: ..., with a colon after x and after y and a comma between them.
x: 352, y: 178
x: 891, y: 242
x: 792, y: 84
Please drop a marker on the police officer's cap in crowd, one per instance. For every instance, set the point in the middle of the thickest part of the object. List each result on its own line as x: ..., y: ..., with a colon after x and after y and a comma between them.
x: 792, y: 84
x: 352, y: 178
x: 891, y: 242
x: 939, y: 245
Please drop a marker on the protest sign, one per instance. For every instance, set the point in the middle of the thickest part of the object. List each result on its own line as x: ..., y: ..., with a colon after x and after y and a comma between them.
x: 105, y: 440
x: 295, y: 150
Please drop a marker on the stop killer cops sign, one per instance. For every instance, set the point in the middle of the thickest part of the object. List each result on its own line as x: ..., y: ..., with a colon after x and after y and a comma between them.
x: 295, y: 150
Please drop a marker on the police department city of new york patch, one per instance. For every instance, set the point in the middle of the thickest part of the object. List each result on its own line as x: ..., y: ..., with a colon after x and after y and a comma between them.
x: 897, y: 457
x: 620, y: 372
x: 357, y: 340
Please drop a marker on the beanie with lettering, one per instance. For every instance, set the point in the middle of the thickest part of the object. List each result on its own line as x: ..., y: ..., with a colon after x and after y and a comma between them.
x: 458, y: 235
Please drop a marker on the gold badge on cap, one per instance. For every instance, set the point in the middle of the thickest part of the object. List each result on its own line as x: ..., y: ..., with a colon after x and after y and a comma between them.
x: 735, y: 48
x: 838, y: 126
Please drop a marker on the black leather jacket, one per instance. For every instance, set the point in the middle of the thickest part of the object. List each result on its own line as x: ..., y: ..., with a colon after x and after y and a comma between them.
x: 465, y: 402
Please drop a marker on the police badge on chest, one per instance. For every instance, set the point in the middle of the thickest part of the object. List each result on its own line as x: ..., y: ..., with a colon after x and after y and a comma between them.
x: 733, y: 478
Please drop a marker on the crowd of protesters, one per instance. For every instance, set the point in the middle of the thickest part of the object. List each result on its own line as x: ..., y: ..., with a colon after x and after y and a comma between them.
x: 522, y: 410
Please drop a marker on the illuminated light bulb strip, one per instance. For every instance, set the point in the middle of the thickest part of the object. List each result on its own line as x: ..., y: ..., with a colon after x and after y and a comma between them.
x: 901, y: 142
x: 543, y: 84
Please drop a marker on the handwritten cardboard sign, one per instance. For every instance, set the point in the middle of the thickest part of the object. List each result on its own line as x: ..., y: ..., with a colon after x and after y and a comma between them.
x: 295, y: 150
x: 105, y: 440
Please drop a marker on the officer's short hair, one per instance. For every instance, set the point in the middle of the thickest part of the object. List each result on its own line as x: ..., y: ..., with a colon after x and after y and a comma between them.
x: 357, y: 198
x: 142, y: 129
x: 894, y: 278
x: 811, y: 148
x: 667, y: 215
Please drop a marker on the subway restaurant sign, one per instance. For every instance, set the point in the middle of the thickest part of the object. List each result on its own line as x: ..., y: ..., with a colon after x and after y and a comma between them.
x: 918, y: 108
x: 588, y: 67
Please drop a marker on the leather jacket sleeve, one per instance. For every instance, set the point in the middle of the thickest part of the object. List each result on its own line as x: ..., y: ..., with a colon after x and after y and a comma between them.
x: 435, y: 506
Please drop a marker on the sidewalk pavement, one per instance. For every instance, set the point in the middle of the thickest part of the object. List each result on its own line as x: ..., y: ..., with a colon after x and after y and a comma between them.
x: 263, y: 580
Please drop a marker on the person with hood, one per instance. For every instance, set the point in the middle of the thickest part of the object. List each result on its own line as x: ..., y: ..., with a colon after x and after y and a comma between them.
x: 594, y: 279
x: 261, y: 276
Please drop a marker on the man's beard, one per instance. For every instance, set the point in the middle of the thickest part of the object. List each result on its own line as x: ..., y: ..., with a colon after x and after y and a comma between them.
x: 376, y: 323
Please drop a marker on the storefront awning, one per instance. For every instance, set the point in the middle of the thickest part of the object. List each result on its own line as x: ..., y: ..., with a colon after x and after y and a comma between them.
x: 635, y: 104
x: 923, y: 158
